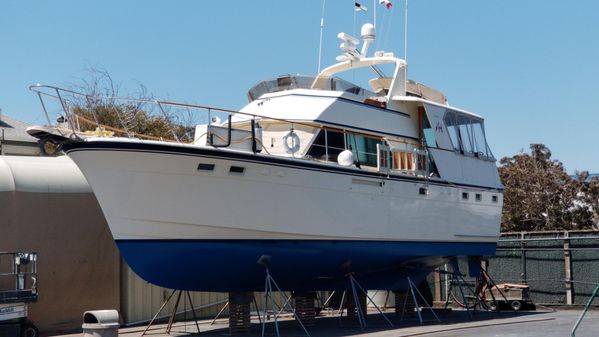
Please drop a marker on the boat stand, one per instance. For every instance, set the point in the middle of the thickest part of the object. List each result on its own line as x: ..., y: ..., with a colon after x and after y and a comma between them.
x: 171, y: 319
x: 457, y: 280
x: 354, y: 286
x: 413, y: 291
x: 264, y: 260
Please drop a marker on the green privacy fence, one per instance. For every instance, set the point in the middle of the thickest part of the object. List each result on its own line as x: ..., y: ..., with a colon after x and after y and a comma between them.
x: 561, y: 268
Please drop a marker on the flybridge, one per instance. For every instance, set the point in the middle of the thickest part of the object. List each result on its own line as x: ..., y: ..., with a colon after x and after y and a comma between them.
x: 382, y: 88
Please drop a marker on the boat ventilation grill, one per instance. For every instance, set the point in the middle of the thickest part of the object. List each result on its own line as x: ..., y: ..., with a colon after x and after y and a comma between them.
x: 237, y: 169
x: 205, y: 167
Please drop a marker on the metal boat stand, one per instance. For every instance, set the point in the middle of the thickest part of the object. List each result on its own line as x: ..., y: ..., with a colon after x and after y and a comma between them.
x: 264, y: 260
x: 457, y: 280
x: 413, y: 291
x: 484, y: 281
x: 354, y: 286
x: 171, y: 319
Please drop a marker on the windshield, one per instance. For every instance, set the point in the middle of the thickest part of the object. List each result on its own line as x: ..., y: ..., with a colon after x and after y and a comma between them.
x: 288, y: 82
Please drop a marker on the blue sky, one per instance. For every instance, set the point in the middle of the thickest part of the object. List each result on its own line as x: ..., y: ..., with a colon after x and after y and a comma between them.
x: 529, y: 67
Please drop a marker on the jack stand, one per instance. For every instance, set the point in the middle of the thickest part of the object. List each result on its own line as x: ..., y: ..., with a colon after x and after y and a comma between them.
x: 287, y: 300
x: 174, y: 313
x: 354, y: 287
x: 326, y: 302
x: 457, y: 278
x: 268, y: 293
x: 413, y: 290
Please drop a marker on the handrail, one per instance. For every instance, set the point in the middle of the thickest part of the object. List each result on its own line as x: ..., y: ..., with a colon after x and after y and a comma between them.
x: 39, y: 90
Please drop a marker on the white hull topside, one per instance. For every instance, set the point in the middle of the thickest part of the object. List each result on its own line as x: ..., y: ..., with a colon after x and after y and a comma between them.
x: 151, y: 190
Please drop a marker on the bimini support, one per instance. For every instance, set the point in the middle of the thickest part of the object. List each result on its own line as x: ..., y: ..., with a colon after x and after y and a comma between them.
x: 264, y: 260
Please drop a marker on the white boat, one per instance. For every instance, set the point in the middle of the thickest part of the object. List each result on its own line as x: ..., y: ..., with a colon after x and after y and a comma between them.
x: 323, y: 176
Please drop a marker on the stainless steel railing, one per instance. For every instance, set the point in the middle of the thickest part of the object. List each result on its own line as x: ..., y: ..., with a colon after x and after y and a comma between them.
x: 109, y: 116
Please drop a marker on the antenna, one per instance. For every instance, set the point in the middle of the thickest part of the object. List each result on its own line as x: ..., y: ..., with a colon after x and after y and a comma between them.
x: 405, y: 39
x: 374, y: 13
x: 321, y: 31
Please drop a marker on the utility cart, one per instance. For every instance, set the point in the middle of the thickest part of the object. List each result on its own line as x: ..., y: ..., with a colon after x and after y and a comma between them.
x: 508, y: 294
x: 18, y: 288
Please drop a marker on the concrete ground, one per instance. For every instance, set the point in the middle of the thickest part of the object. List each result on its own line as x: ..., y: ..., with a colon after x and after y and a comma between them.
x: 546, y: 323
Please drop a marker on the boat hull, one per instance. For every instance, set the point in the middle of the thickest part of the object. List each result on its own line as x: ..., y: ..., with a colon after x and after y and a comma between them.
x: 231, y: 265
x: 184, y: 219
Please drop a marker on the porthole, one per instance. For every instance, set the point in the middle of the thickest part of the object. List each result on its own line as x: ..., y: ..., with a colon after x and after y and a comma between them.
x: 205, y: 167
x: 237, y: 169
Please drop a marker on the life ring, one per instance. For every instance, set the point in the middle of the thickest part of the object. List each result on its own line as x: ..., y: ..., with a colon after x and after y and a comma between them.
x: 295, y: 142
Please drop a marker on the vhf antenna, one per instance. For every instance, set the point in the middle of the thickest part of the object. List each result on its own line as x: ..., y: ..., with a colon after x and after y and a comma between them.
x: 321, y: 31
x: 405, y: 39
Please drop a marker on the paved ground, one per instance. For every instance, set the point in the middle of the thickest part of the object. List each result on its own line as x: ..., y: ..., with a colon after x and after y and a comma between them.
x: 544, y: 323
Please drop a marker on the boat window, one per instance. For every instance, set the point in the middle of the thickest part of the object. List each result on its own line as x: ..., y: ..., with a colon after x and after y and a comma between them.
x: 428, y: 133
x: 467, y: 134
x: 465, y: 128
x: 452, y: 128
x: 288, y: 82
x: 363, y: 148
x: 479, y: 139
x: 335, y: 142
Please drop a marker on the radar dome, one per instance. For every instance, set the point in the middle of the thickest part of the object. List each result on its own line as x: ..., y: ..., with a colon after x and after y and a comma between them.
x: 368, y: 31
x: 345, y: 158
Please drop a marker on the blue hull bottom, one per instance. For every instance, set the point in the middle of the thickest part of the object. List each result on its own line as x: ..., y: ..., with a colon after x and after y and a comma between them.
x: 231, y: 265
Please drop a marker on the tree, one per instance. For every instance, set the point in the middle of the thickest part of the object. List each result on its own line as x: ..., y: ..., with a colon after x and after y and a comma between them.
x: 136, y: 117
x: 540, y: 195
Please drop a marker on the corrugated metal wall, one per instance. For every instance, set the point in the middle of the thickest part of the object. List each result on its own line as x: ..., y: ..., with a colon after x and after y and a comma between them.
x: 141, y: 300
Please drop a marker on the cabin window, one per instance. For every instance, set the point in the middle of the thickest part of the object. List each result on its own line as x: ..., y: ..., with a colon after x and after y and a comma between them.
x: 428, y: 133
x: 467, y: 134
x: 479, y: 139
x: 465, y: 195
x: 452, y: 128
x: 465, y: 128
x: 335, y: 142
x: 363, y: 148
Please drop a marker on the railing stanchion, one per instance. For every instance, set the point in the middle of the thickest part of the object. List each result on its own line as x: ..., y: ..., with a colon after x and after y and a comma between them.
x: 326, y: 145
x: 253, y: 126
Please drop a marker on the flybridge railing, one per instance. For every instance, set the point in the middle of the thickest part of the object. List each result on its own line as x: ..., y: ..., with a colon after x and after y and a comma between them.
x: 82, y: 115
x: 76, y: 111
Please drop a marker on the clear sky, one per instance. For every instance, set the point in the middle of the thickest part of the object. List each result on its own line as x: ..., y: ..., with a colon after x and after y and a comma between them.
x: 531, y: 68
